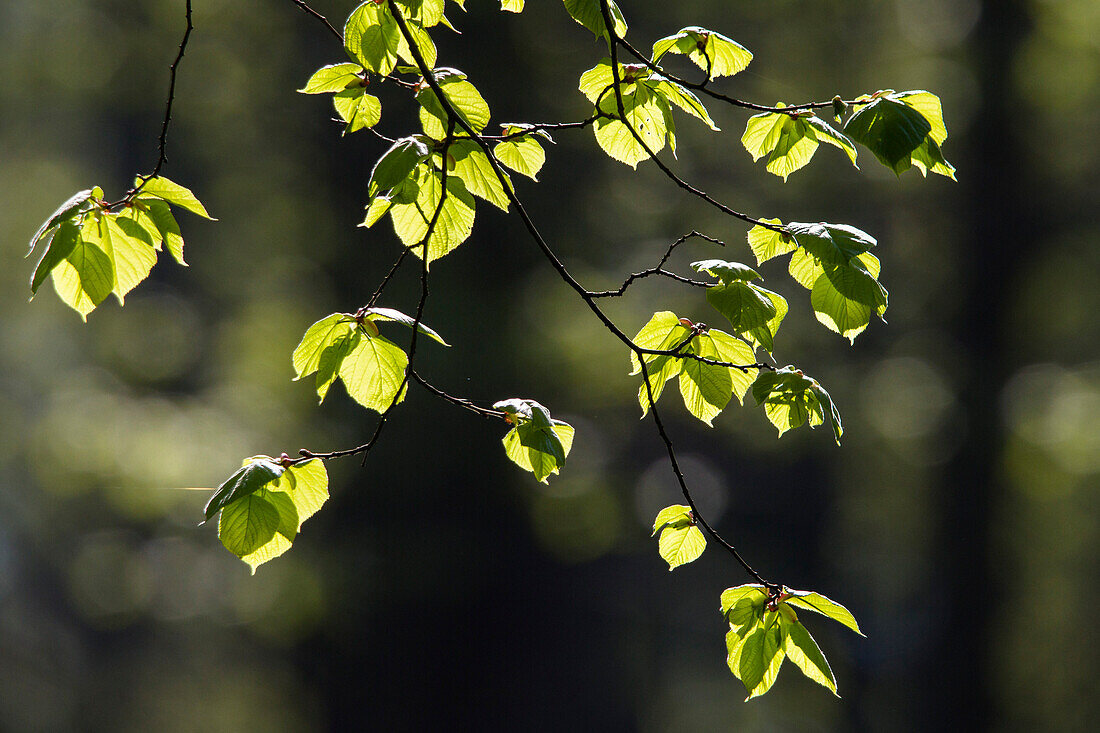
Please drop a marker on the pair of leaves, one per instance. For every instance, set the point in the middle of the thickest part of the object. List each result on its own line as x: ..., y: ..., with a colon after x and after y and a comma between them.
x: 791, y: 399
x: 351, y: 348
x: 537, y: 442
x: 681, y: 540
x: 264, y: 504
x: 763, y: 632
x: 790, y: 139
x: 833, y: 262
x: 412, y: 204
x: 347, y: 83
x: 373, y: 39
x: 754, y: 312
x: 92, y: 252
x: 710, y: 51
x: 903, y: 130
x: 646, y: 120
x: 705, y: 388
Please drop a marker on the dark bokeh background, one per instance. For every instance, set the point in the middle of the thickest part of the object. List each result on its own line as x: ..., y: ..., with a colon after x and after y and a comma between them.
x: 442, y: 588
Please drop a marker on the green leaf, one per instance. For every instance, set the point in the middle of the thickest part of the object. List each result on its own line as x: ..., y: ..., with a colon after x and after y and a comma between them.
x: 307, y: 486
x: 801, y: 649
x: 786, y: 138
x: 676, y: 515
x: 77, y: 203
x: 512, y: 6
x: 424, y: 44
x: 473, y: 167
x: 831, y: 244
x: 463, y: 97
x: 646, y: 112
x: 681, y: 545
x: 396, y: 164
x: 732, y: 596
x: 133, y: 258
x: 374, y: 373
x: 524, y: 154
x: 175, y: 194
x: 734, y: 351
x: 706, y: 388
x: 930, y: 108
x: 766, y: 243
x: 537, y: 443
x: 372, y: 37
x: 165, y: 222
x: 663, y: 332
x: 791, y: 399
x: 426, y: 12
x: 682, y: 97
x: 844, y: 297
x: 410, y: 220
x: 727, y: 272
x: 588, y: 14
x: 255, y: 474
x: 826, y: 134
x: 357, y: 108
x: 757, y: 660
x: 890, y: 129
x: 710, y: 51
x: 333, y: 78
x: 87, y: 274
x: 61, y: 244
x: 318, y: 337
x: 389, y: 314
x: 825, y: 606
x: 332, y: 358
x: 598, y: 80
x: 250, y: 523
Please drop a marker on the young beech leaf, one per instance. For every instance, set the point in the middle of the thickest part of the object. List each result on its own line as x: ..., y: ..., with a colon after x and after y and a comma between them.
x: 251, y: 477
x: 60, y: 245
x: 86, y: 276
x: 464, y: 99
x: 427, y: 12
x: 801, y: 649
x: 80, y: 201
x: 357, y: 108
x: 825, y: 606
x: 791, y: 399
x: 160, y: 187
x: 372, y: 37
x: 787, y: 139
x: 412, y: 208
x: 767, y: 243
x: 710, y: 51
x: 681, y: 541
x: 536, y: 442
x: 333, y: 78
x: 589, y: 14
x: 644, y: 130
x: 389, y: 314
x: 473, y: 167
x: 902, y: 129
x: 260, y: 521
x: 524, y: 154
x: 512, y: 6
x: 396, y: 164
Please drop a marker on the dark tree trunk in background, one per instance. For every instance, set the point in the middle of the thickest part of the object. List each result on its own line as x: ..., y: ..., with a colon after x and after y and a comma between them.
x: 996, y: 226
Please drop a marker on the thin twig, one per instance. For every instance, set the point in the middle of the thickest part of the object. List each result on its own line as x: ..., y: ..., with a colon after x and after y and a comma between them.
x: 657, y: 269
x: 702, y: 87
x: 459, y: 401
x: 310, y: 11
x: 162, y: 140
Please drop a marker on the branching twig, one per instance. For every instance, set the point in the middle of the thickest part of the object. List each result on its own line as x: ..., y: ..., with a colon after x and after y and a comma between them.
x: 657, y: 269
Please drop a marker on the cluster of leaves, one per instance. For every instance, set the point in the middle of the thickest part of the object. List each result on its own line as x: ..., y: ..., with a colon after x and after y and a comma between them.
x: 264, y: 504
x: 901, y: 129
x: 646, y: 122
x: 832, y: 261
x: 764, y: 630
x: 350, y: 346
x: 92, y: 251
x: 537, y: 442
